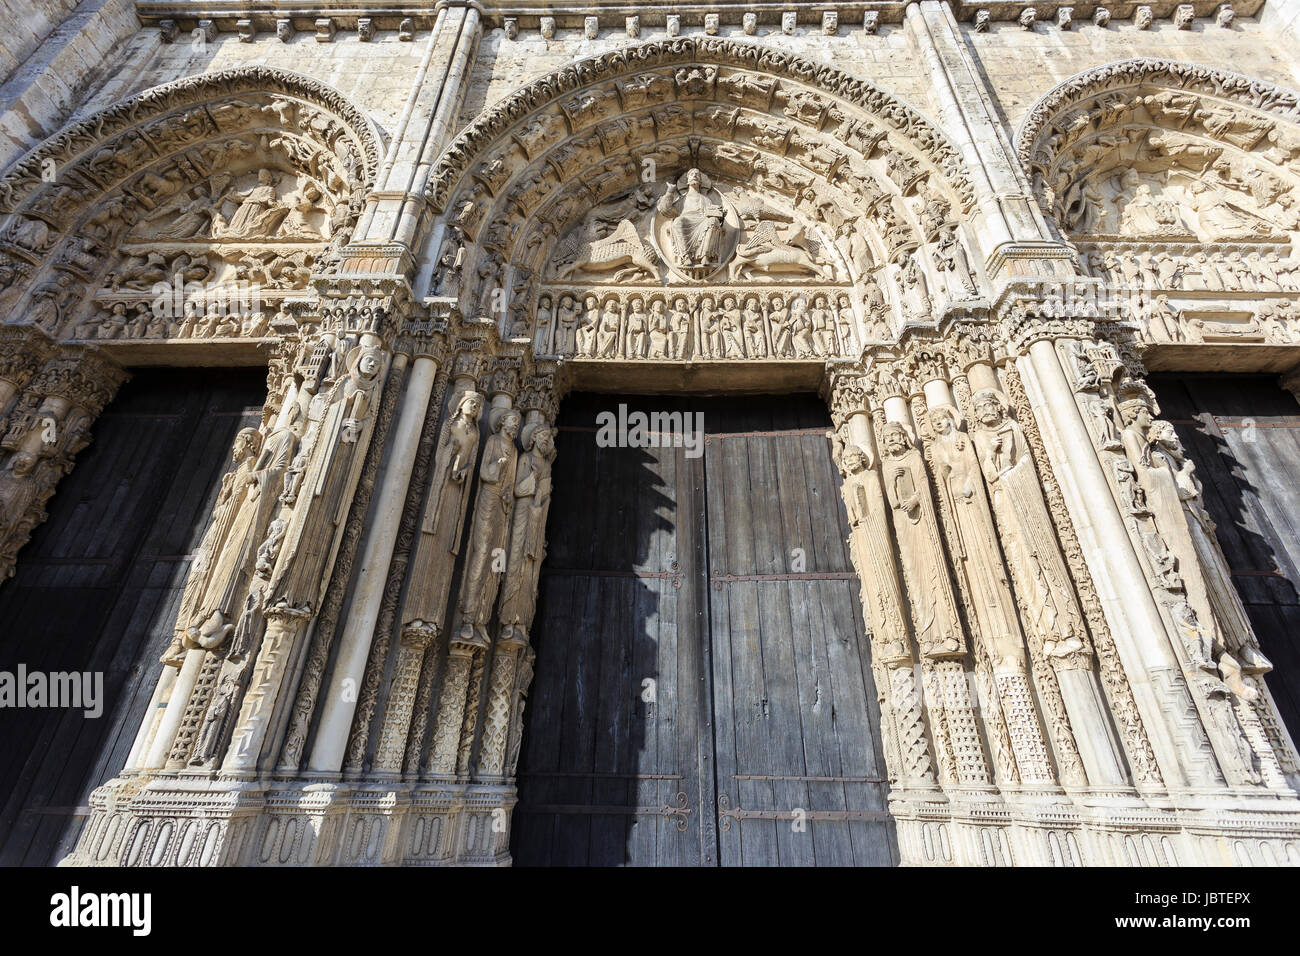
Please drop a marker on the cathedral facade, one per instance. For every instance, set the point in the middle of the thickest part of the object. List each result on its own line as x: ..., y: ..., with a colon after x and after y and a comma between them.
x: 698, y: 433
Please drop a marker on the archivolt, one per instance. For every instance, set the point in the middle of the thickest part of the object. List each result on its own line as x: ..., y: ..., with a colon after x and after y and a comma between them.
x: 103, y: 181
x: 813, y: 138
x: 152, y: 110
x: 1060, y: 108
x: 473, y: 143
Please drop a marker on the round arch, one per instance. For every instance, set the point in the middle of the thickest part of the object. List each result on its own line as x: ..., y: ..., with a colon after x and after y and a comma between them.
x: 238, y: 180
x: 817, y: 177
x: 1156, y: 149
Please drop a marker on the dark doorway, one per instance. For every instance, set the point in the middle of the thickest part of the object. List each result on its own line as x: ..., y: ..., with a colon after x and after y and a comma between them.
x: 1243, y: 433
x: 96, y: 590
x: 703, y: 693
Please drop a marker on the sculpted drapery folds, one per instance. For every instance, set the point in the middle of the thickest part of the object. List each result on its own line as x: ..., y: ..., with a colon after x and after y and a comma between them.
x: 1028, y: 537
x: 934, y: 610
x: 489, y: 528
x: 973, y: 544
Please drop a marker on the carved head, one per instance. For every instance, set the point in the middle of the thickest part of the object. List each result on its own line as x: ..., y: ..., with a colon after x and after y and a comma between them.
x: 989, y: 408
x: 1136, y: 412
x: 247, y: 444
x: 1164, y: 433
x: 895, y: 439
x: 778, y: 302
x: 855, y: 459
x: 591, y: 302
x: 23, y: 464
x: 679, y: 304
x: 943, y: 419
x: 470, y: 405
x: 368, y: 363
x: 542, y: 440
x: 510, y: 422
x: 264, y: 176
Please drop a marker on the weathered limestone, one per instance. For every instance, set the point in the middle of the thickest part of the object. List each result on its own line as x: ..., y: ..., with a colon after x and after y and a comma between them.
x: 724, y: 202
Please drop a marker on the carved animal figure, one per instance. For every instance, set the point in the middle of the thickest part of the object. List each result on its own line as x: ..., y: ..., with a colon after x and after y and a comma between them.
x: 622, y: 252
x: 766, y: 252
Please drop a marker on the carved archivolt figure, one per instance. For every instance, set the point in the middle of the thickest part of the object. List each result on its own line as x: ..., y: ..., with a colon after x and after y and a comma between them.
x: 934, y: 612
x: 488, y: 529
x: 972, y: 541
x: 1028, y: 535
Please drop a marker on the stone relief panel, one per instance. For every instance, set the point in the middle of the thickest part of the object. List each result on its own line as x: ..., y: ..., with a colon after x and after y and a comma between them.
x: 715, y: 167
x: 191, y: 211
x: 1177, y: 184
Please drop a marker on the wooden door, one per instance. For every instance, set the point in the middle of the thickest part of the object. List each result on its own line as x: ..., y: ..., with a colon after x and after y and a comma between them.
x: 1243, y: 433
x: 699, y: 699
x: 97, y: 589
x: 800, y: 773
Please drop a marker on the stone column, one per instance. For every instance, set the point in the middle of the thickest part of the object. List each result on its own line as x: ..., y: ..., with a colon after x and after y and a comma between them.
x: 871, y: 546
x: 340, y: 700
x: 1059, y: 646
x: 936, y: 622
x: 1121, y: 582
x: 396, y: 206
x: 436, y: 547
x: 486, y: 549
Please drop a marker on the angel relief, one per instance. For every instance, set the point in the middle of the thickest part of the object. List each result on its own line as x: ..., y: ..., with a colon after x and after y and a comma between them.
x: 691, y: 231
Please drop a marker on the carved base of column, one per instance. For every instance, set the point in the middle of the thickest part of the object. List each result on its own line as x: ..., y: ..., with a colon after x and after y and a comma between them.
x: 172, y: 821
x: 1095, y: 829
x: 179, y: 821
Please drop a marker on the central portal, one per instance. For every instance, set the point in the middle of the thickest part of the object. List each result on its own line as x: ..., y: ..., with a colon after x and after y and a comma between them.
x: 703, y: 691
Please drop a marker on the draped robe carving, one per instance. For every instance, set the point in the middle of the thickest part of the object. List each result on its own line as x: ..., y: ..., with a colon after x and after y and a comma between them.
x: 1028, y: 536
x: 934, y: 611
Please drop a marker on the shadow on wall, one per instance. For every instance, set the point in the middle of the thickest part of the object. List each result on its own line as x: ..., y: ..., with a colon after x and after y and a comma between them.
x: 1242, y: 432
x: 97, y: 588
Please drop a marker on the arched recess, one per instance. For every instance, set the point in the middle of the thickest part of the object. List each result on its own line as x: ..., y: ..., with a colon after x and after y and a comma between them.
x: 820, y: 183
x: 1180, y: 183
x: 175, y: 227
x: 238, y: 184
